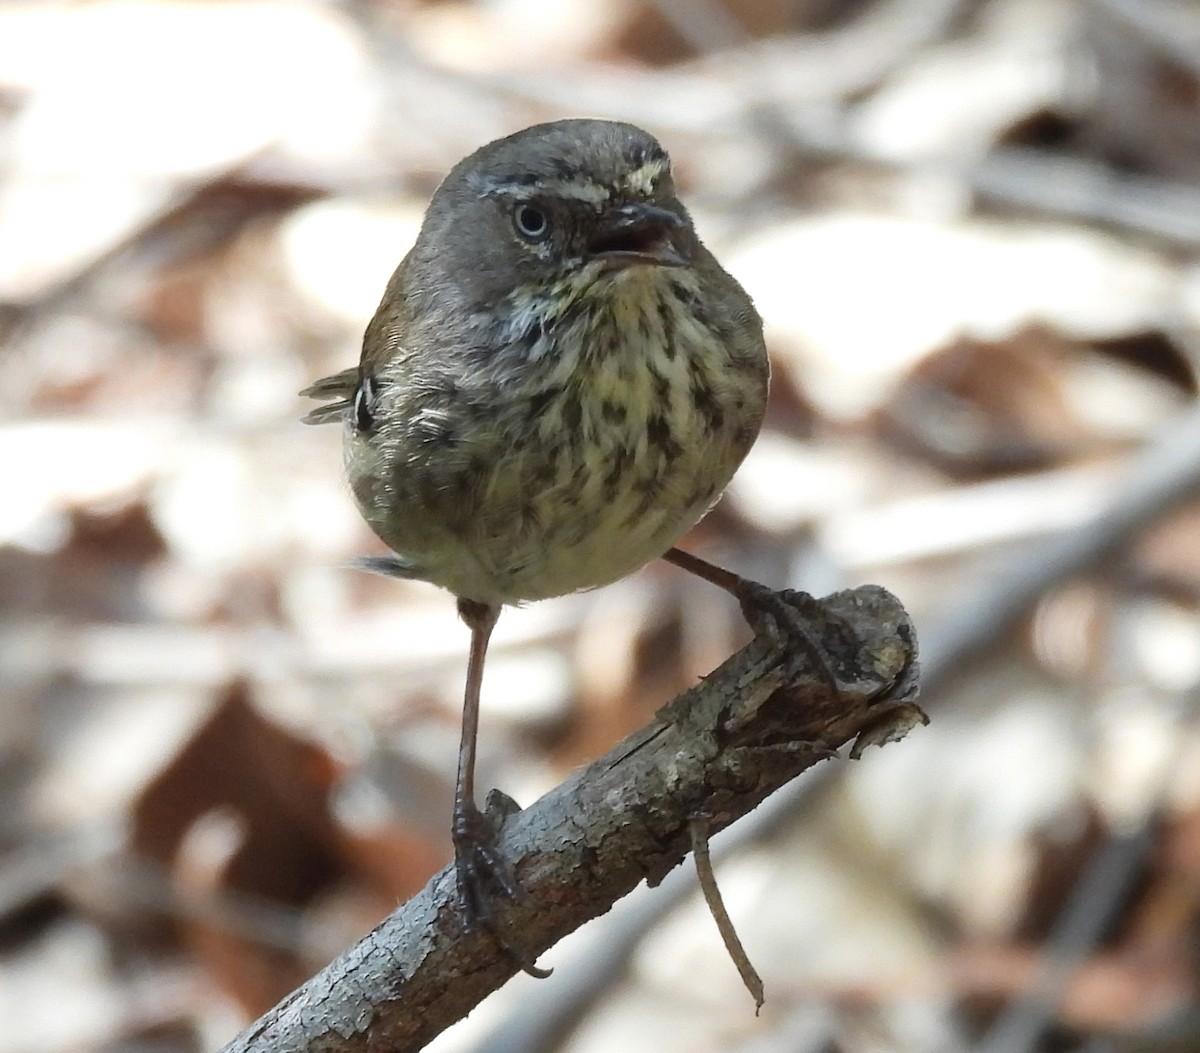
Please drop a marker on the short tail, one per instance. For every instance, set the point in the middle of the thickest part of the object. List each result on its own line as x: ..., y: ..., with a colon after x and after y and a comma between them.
x: 339, y: 391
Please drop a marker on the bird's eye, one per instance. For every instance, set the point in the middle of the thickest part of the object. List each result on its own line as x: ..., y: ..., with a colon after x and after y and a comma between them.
x: 531, y: 223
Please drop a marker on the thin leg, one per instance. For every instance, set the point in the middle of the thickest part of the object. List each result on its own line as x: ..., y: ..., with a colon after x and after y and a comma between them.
x: 732, y: 583
x: 480, y: 869
x: 786, y: 610
x: 476, y: 860
x: 481, y: 619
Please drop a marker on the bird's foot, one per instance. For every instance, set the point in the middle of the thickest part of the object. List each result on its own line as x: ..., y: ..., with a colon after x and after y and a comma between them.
x: 788, y: 614
x: 483, y: 874
x: 481, y: 869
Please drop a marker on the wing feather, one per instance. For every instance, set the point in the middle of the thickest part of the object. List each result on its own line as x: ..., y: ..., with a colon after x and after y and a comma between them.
x: 338, y: 390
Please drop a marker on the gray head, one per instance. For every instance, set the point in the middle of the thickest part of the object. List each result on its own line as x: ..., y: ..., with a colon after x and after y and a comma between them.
x: 552, y: 199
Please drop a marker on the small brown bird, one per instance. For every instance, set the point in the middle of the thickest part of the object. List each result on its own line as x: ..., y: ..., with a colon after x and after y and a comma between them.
x: 559, y: 381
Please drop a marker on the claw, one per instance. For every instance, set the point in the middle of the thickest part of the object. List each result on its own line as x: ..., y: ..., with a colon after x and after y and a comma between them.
x: 482, y: 872
x: 788, y: 613
x: 767, y: 612
x: 480, y: 867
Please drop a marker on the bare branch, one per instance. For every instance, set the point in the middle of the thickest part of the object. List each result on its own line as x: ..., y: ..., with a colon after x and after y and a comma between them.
x: 718, y: 750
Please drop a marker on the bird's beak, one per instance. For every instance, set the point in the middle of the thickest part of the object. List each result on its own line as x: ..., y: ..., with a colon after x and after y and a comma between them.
x: 639, y: 233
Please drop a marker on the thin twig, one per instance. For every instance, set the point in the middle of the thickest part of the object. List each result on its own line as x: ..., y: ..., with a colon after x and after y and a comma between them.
x: 716, y: 907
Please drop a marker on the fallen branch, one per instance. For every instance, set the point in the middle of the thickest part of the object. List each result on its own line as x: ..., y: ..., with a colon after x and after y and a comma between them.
x: 715, y: 751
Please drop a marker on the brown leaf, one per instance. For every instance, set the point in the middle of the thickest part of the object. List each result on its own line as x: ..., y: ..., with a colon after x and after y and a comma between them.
x: 977, y: 408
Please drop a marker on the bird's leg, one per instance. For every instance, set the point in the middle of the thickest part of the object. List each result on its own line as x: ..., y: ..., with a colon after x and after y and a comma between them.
x: 477, y: 862
x: 766, y: 610
x: 479, y: 867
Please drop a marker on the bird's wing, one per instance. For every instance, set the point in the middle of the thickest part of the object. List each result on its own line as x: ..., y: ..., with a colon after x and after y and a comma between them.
x: 338, y: 390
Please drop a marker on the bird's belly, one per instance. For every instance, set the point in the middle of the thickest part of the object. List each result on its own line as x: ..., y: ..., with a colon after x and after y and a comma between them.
x: 576, y: 509
x: 569, y: 539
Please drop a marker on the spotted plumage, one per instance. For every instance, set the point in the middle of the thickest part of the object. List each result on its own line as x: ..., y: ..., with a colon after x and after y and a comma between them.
x: 559, y: 381
x: 518, y: 423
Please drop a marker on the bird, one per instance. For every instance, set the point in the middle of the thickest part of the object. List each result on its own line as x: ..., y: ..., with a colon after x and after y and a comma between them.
x: 560, y: 381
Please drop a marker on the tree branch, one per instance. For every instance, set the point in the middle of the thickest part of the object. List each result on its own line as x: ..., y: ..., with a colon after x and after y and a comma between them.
x: 715, y: 751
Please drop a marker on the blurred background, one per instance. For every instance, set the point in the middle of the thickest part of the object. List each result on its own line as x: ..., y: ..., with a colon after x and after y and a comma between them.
x: 973, y: 229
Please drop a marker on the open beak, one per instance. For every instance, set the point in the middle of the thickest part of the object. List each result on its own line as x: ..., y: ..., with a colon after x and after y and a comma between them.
x: 639, y: 233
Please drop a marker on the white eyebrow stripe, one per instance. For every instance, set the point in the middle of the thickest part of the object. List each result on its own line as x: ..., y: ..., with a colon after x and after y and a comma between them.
x: 582, y: 190
x: 643, y: 178
x: 575, y: 189
x: 642, y: 181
